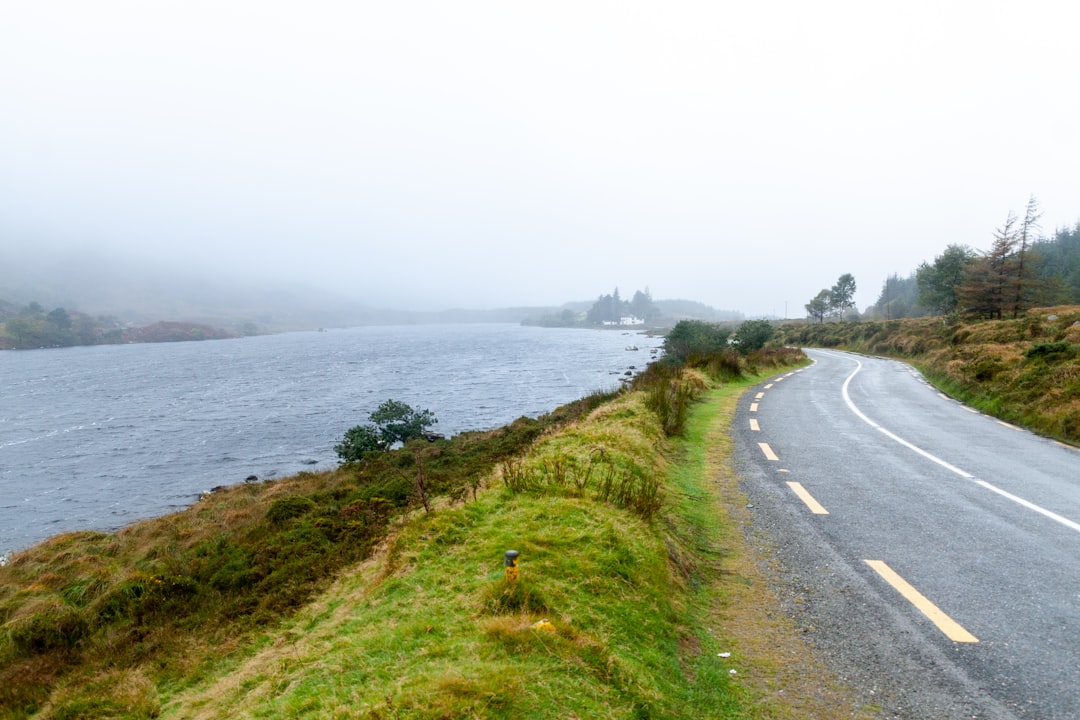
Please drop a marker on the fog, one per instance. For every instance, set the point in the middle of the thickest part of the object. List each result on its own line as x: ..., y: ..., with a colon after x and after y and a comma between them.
x: 427, y: 155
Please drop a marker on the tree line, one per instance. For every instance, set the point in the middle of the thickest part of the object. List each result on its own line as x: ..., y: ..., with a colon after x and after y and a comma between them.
x: 32, y: 327
x: 1022, y: 269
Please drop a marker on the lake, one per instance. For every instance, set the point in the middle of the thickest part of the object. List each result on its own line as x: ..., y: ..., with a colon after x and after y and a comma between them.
x: 99, y: 437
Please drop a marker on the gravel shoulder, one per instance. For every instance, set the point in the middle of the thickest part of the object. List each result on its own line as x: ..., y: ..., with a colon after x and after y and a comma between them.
x: 873, y: 651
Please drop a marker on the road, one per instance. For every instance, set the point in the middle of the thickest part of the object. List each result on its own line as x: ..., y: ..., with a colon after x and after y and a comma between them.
x: 931, y: 553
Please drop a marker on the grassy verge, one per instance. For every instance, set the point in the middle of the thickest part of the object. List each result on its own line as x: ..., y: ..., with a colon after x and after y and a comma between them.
x: 640, y: 603
x: 431, y: 629
x: 633, y: 580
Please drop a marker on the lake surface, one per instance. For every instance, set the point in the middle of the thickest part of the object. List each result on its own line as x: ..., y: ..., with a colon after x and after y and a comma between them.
x: 98, y: 437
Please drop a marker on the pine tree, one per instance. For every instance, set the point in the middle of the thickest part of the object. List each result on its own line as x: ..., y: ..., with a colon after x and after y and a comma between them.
x: 987, y: 282
x: 1026, y: 236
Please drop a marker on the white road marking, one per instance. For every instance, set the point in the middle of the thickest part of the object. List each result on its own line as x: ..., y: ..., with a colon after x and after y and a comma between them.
x: 948, y: 466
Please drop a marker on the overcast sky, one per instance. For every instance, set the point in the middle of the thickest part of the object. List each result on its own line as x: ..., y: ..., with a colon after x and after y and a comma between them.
x: 482, y: 154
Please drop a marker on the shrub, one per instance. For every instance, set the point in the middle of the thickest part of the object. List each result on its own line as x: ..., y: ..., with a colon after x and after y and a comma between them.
x: 1051, y: 351
x: 47, y: 625
x: 694, y: 337
x: 287, y: 508
x: 752, y: 335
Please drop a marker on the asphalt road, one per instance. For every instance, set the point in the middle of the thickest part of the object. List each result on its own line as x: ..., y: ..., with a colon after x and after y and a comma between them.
x: 931, y: 554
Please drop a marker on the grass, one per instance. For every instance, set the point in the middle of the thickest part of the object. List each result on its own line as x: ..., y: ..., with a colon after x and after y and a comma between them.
x: 168, y: 599
x: 335, y: 595
x: 1024, y: 370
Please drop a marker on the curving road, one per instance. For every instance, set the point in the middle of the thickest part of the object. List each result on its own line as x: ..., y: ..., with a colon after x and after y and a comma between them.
x: 931, y: 553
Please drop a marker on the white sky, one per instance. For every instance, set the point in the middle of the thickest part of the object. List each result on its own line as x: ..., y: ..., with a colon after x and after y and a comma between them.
x: 481, y: 154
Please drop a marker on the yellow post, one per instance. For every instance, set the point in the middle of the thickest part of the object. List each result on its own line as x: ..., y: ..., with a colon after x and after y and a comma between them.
x: 510, y: 567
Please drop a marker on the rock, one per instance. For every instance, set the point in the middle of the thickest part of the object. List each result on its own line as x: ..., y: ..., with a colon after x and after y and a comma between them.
x: 251, y: 478
x: 1051, y: 317
x: 309, y: 461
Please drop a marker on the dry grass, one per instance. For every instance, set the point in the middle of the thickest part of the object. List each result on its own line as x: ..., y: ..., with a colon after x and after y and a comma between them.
x: 1024, y: 370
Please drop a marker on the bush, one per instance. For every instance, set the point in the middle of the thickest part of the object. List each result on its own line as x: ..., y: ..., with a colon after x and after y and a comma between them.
x: 1051, y: 351
x: 752, y: 335
x: 47, y: 625
x: 287, y: 508
x: 694, y: 337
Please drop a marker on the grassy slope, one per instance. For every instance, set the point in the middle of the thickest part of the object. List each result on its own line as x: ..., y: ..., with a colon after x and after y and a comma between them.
x: 1024, y: 370
x: 640, y: 608
x: 641, y: 602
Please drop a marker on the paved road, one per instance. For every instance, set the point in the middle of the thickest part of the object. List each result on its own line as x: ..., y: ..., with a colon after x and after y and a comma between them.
x: 931, y: 553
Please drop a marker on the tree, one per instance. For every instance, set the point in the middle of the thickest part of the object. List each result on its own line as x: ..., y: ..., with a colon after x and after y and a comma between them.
x: 818, y: 308
x: 397, y: 422
x: 359, y: 442
x: 939, y: 283
x: 694, y: 337
x: 1026, y: 236
x: 392, y: 422
x: 1058, y: 266
x: 987, y: 282
x: 752, y: 335
x: 898, y: 298
x: 842, y: 295
x: 641, y: 306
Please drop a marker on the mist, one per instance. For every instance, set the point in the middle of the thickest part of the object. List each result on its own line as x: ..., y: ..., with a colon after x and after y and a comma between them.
x: 427, y: 156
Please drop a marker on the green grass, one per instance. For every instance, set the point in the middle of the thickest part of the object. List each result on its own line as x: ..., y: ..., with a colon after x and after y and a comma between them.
x: 433, y: 630
x: 281, y: 600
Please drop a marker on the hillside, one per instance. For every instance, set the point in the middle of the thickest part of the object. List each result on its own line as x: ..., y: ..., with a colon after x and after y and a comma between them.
x: 1024, y: 370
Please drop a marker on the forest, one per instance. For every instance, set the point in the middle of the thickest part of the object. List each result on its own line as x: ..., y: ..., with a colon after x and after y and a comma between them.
x: 1021, y: 270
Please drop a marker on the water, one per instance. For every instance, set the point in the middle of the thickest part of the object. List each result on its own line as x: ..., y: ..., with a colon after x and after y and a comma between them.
x: 98, y: 437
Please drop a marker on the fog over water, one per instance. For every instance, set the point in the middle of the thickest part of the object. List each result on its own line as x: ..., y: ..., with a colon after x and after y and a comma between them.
x: 427, y: 155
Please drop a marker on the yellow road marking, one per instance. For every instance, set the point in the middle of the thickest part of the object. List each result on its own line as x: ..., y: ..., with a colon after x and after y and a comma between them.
x: 769, y: 386
x: 753, y: 407
x: 806, y: 497
x: 759, y: 396
x: 1070, y: 447
x: 945, y: 624
x: 1011, y: 427
x: 769, y: 454
x: 754, y: 426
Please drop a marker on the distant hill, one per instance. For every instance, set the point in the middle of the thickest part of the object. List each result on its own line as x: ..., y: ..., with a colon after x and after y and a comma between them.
x: 133, y: 293
x: 693, y: 310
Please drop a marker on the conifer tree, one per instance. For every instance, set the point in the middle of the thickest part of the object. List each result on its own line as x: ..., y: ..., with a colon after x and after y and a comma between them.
x: 987, y: 282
